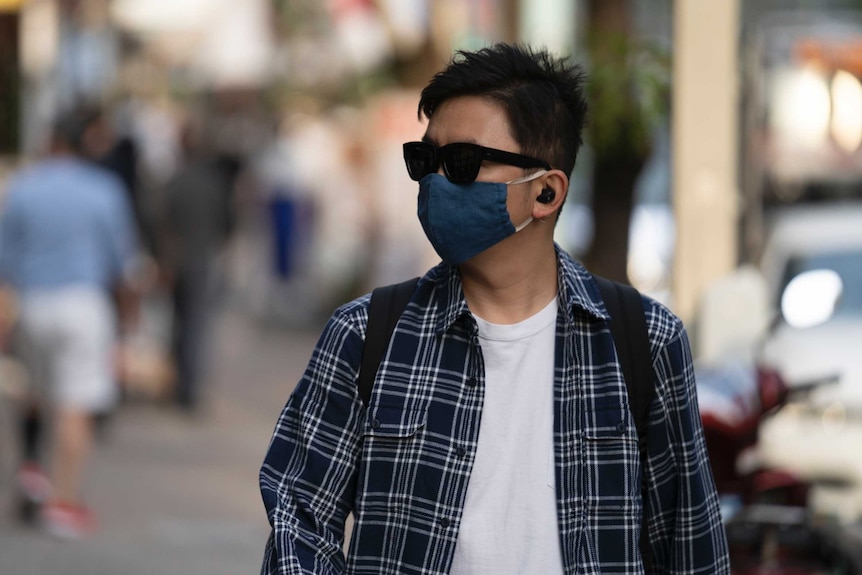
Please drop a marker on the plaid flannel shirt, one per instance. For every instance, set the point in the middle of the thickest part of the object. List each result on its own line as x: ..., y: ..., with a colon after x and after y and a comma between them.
x: 402, y: 465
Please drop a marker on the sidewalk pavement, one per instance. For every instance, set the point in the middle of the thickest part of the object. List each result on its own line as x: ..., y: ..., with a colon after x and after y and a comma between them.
x: 176, y: 494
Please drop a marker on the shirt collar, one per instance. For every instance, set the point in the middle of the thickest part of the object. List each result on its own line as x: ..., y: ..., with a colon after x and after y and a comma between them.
x: 450, y: 292
x: 578, y: 288
x: 577, y: 291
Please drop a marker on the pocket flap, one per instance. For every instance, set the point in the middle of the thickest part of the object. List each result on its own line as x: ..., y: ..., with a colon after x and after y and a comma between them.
x: 395, y: 421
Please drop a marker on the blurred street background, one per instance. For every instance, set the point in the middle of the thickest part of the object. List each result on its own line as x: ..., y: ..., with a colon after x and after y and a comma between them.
x: 261, y: 139
x: 176, y: 495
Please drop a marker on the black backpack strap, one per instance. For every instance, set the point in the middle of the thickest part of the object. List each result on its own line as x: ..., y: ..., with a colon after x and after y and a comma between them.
x: 629, y: 330
x: 386, y: 306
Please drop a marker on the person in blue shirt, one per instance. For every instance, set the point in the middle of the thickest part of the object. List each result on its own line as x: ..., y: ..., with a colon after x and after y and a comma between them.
x: 67, y: 248
x: 498, y: 437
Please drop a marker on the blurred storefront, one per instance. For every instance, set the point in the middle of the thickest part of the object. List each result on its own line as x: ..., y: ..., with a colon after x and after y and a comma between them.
x: 801, y: 106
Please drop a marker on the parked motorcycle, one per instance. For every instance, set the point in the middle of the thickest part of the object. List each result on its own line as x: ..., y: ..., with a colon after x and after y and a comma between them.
x: 770, y: 526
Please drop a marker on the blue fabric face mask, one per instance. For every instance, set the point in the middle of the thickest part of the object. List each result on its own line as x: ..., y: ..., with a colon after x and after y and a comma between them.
x: 463, y: 220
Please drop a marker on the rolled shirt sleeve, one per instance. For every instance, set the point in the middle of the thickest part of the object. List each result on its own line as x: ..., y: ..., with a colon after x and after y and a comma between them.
x: 308, y: 477
x: 686, y: 531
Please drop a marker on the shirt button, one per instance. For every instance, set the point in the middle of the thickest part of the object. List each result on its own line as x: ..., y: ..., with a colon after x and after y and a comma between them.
x: 444, y: 522
x: 375, y: 424
x: 621, y: 427
x: 461, y: 452
x: 473, y: 381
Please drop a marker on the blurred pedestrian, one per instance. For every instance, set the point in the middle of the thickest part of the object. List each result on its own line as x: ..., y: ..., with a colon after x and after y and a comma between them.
x: 194, y: 227
x: 497, y: 438
x: 67, y: 249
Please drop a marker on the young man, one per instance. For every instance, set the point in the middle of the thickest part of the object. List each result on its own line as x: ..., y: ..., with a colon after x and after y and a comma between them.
x: 67, y: 246
x: 498, y: 437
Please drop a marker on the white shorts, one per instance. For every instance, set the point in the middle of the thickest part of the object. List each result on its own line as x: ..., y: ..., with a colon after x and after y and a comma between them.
x: 69, y: 337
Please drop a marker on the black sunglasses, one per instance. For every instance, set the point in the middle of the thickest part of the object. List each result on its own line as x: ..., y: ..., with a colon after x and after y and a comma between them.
x: 461, y: 161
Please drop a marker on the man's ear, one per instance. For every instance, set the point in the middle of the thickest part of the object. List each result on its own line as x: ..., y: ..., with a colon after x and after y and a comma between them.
x: 555, y: 186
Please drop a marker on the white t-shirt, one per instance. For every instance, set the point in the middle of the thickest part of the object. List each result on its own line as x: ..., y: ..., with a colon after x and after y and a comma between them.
x: 509, y: 523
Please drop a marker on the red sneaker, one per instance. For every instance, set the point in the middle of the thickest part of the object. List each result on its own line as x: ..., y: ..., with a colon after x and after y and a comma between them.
x: 67, y: 520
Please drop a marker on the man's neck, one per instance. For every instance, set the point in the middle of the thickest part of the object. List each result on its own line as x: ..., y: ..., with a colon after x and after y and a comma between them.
x: 503, y: 289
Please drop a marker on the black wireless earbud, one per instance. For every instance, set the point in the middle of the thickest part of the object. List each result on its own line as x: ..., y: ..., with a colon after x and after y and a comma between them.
x: 547, y: 196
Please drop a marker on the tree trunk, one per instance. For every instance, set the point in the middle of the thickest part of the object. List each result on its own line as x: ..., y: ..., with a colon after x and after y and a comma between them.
x: 613, y: 200
x: 618, y: 148
x: 10, y: 83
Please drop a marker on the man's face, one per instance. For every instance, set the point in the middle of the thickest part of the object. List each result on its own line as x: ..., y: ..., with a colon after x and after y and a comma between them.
x: 482, y: 121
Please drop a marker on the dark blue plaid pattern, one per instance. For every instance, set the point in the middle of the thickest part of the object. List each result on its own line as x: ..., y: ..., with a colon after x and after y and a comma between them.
x: 402, y: 466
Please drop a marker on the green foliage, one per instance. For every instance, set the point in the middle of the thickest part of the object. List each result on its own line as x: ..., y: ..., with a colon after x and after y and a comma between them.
x: 629, y: 94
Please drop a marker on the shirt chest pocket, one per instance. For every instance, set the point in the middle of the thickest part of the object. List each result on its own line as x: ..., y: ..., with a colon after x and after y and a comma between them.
x: 393, y: 451
x: 611, y: 487
x: 611, y: 458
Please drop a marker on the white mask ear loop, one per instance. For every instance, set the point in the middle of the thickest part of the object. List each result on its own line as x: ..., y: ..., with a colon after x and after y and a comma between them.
x: 524, y: 225
x: 524, y: 180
